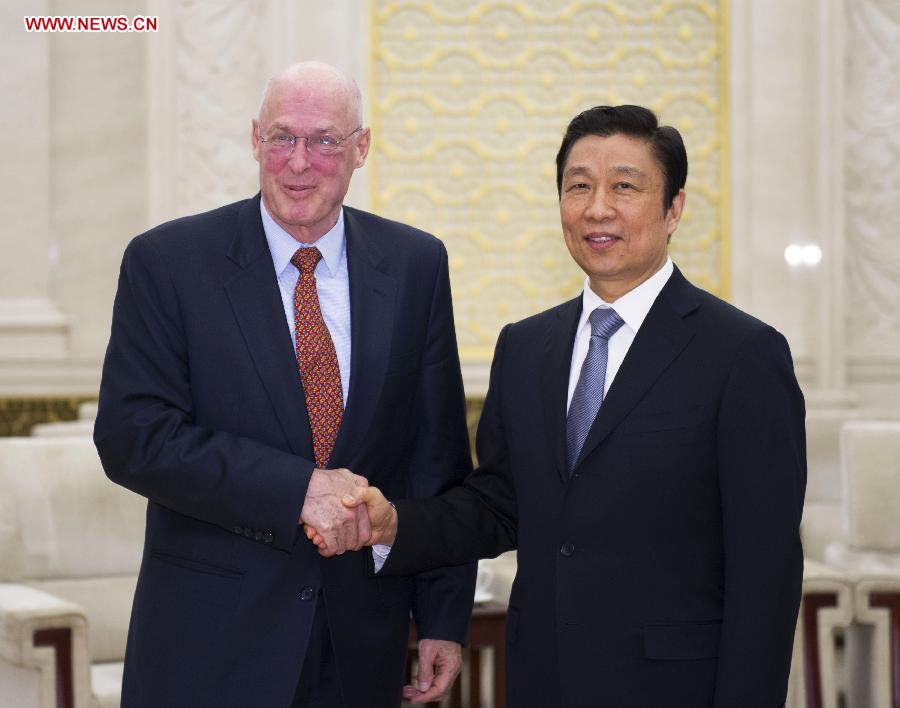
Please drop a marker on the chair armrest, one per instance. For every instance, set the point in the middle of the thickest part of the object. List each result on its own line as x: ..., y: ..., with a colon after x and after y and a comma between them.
x: 826, y: 610
x: 42, y: 633
x: 877, y: 599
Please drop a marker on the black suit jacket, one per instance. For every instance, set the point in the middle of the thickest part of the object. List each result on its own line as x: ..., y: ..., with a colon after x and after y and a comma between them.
x: 202, y: 412
x: 667, y: 570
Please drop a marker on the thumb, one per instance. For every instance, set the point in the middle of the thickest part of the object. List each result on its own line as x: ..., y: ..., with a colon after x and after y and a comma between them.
x: 360, y: 496
x: 426, y: 674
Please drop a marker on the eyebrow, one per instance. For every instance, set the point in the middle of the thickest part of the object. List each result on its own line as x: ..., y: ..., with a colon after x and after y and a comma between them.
x: 576, y: 170
x: 628, y: 171
x: 624, y: 170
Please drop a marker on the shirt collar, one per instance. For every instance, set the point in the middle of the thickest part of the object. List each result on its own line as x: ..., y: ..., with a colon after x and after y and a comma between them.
x: 634, y: 305
x: 283, y: 246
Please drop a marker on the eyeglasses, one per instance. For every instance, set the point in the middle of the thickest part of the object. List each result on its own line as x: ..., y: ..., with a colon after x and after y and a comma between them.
x: 283, y: 144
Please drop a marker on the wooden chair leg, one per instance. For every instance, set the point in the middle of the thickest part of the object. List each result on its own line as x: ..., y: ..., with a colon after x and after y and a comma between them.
x: 475, y: 678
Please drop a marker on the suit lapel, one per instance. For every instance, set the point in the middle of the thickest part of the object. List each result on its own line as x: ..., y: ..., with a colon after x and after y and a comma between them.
x: 661, y: 338
x: 372, y: 304
x: 560, y: 339
x: 256, y: 301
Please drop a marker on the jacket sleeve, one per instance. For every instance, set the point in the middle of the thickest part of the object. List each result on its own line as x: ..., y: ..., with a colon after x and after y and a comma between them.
x: 439, y: 459
x: 761, y: 451
x: 475, y: 520
x: 146, y: 433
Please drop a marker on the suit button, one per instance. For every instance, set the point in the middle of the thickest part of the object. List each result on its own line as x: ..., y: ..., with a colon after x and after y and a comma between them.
x: 567, y: 549
x: 267, y: 537
x: 306, y: 594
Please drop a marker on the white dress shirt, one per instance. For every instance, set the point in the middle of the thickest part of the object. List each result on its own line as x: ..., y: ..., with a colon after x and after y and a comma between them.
x: 632, y: 307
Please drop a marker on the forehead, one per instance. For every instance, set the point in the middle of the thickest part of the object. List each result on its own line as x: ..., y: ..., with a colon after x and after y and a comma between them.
x: 602, y: 154
x: 318, y: 105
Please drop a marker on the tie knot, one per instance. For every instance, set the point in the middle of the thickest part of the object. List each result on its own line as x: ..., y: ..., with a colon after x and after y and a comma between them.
x: 306, y: 259
x: 605, y: 321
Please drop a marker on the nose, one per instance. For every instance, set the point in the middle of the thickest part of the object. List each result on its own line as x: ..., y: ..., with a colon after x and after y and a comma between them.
x: 299, y: 159
x: 600, y: 206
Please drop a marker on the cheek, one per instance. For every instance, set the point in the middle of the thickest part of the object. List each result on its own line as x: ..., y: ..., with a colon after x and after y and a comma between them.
x: 269, y: 170
x: 329, y: 172
x: 568, y: 216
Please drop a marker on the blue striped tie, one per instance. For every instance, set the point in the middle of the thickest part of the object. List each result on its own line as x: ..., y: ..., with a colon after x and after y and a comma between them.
x: 588, y: 394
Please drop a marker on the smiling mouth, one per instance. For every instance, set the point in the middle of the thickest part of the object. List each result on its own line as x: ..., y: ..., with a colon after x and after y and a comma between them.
x: 601, y: 240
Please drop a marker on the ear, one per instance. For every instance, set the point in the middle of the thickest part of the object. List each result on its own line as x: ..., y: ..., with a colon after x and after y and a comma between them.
x: 254, y: 138
x: 673, y: 215
x: 362, y: 146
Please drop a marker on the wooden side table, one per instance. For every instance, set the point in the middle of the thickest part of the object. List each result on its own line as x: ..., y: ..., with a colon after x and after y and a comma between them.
x: 487, y: 631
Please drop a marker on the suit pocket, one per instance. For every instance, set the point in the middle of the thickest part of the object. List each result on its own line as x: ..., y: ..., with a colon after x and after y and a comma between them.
x: 512, y: 625
x: 679, y: 427
x: 185, y: 577
x: 199, y: 566
x: 695, y: 640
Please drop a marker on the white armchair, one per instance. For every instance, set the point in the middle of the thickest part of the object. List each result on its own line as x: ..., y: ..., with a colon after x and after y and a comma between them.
x: 70, y: 547
x: 870, y: 555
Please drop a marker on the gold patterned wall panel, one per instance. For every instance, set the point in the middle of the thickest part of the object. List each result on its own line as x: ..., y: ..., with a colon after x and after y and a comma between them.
x: 469, y: 103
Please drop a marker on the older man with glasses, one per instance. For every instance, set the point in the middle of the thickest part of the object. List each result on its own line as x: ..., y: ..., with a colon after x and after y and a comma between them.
x: 259, y: 352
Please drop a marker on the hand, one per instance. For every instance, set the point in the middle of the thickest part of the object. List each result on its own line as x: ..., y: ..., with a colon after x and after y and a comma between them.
x: 439, y: 664
x: 340, y: 528
x: 382, y: 519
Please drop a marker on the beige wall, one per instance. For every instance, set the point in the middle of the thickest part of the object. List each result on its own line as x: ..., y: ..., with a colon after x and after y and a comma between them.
x: 110, y: 133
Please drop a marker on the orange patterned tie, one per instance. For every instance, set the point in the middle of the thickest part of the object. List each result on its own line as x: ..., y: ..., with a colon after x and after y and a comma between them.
x: 316, y: 358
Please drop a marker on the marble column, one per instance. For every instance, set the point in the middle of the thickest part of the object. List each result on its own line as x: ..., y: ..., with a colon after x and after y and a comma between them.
x: 33, y: 331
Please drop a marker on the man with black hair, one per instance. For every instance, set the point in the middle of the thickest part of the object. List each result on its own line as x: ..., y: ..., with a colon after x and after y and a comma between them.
x: 642, y: 446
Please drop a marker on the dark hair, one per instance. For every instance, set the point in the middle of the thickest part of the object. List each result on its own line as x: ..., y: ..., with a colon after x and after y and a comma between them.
x: 665, y: 142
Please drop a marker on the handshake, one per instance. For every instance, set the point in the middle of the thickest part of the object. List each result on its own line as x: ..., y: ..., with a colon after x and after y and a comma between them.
x: 342, y: 512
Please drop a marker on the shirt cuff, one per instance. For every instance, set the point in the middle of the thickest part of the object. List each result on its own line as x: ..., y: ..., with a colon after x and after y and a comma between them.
x: 380, y: 553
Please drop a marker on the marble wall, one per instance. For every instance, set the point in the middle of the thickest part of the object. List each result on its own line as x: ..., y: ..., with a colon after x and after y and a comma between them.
x: 108, y: 134
x: 872, y: 149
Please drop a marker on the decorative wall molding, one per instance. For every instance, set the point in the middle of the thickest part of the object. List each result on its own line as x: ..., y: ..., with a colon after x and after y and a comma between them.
x: 875, y: 369
x: 873, y: 181
x: 470, y: 101
x: 830, y: 229
x: 32, y: 330
x: 205, y: 78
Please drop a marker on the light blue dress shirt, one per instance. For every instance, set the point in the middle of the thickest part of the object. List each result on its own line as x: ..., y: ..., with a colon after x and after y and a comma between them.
x: 332, y: 283
x: 333, y: 288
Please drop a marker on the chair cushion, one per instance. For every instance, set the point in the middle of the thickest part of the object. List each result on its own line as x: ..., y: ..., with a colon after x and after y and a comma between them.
x: 870, y: 456
x: 106, y: 684
x: 60, y: 517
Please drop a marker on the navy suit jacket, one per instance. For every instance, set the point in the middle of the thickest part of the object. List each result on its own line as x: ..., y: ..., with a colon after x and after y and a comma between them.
x: 202, y: 411
x: 667, y: 570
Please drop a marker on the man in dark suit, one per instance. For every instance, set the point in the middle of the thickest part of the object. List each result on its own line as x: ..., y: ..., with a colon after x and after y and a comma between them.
x: 255, y: 350
x: 643, y: 447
